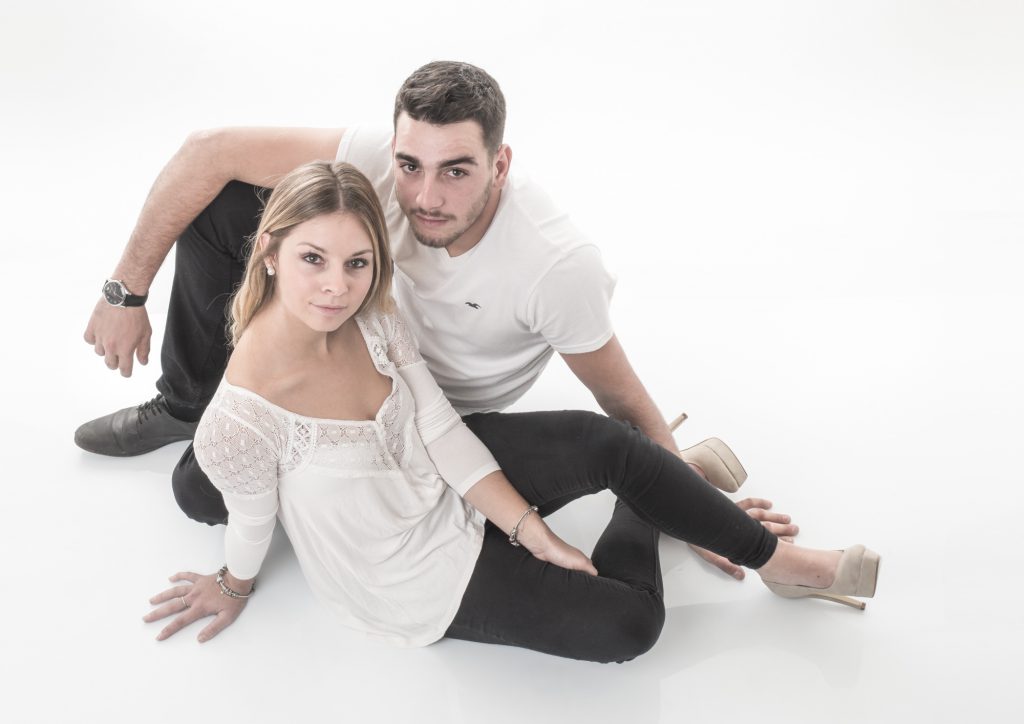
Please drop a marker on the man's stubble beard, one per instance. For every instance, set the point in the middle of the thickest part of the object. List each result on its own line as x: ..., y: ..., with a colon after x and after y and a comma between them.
x: 474, y: 214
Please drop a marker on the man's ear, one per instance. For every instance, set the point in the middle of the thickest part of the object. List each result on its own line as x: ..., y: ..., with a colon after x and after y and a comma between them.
x: 502, y: 163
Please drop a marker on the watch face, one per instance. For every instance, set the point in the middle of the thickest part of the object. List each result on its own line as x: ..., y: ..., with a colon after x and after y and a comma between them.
x: 114, y: 293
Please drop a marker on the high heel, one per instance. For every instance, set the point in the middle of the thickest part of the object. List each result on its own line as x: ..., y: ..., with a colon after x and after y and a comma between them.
x: 720, y: 465
x: 856, y: 575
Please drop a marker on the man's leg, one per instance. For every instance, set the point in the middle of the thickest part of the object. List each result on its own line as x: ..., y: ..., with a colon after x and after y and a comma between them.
x: 197, y: 497
x: 209, y: 262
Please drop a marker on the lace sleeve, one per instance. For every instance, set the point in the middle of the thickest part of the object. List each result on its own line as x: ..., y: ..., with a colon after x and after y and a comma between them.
x: 238, y: 446
x: 402, y: 347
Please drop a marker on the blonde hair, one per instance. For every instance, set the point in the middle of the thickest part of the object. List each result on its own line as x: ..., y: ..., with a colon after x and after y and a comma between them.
x: 307, y: 192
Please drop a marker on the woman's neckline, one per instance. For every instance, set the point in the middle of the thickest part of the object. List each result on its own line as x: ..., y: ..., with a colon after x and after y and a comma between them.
x: 329, y: 420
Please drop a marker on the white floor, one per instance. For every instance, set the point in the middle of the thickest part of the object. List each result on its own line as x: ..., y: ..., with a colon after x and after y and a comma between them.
x: 815, y: 213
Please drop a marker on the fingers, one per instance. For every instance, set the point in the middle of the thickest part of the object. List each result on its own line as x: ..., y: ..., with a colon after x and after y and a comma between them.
x: 723, y: 564
x: 788, y: 530
x: 221, y: 621
x: 778, y: 523
x: 188, y: 616
x: 185, y: 576
x: 170, y: 593
x: 748, y: 503
x: 767, y: 516
x: 125, y: 365
x: 178, y: 605
x: 143, y: 351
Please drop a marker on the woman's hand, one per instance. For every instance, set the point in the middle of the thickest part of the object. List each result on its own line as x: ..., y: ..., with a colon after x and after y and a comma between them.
x: 536, y: 537
x: 199, y: 598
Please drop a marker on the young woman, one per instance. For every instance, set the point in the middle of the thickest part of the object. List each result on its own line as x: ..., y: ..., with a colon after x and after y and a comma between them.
x: 401, y: 518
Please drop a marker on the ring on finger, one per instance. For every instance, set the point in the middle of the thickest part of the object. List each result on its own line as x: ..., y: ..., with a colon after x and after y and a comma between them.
x: 183, y: 601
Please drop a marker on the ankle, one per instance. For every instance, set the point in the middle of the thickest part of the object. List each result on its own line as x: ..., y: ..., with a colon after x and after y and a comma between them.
x: 793, y: 565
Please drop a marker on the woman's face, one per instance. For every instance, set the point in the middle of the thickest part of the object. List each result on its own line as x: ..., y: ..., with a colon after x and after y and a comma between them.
x: 324, y: 269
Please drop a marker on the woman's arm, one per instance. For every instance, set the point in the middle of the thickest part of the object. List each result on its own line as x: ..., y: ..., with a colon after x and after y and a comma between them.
x: 466, y: 464
x: 502, y: 504
x: 241, y: 461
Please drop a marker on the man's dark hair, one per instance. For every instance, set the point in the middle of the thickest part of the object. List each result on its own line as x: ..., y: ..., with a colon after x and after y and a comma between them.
x: 447, y: 91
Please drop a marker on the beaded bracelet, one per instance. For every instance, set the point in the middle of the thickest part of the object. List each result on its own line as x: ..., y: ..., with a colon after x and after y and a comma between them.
x: 227, y: 591
x: 513, y: 536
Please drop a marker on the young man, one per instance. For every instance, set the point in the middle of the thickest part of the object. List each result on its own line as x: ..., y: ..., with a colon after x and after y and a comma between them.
x: 493, y: 278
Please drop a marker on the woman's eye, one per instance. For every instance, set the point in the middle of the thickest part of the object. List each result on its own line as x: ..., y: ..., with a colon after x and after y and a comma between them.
x: 359, y: 263
x: 311, y: 258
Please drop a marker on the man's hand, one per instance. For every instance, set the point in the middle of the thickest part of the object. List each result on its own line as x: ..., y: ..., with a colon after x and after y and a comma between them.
x: 119, y: 333
x: 758, y: 509
x: 201, y: 598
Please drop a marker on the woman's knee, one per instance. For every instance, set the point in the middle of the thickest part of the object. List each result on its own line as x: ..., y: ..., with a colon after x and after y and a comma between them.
x: 612, y: 444
x: 639, y: 631
x: 627, y: 633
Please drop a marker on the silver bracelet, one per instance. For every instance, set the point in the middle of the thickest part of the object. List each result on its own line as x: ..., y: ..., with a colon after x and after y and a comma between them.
x: 227, y: 591
x: 513, y: 536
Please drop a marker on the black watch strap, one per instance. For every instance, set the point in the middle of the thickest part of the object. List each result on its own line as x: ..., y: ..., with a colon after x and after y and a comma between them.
x: 117, y: 295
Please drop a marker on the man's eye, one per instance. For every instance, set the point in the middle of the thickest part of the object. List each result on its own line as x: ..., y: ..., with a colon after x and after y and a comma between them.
x: 456, y: 172
x: 311, y: 258
x: 408, y: 167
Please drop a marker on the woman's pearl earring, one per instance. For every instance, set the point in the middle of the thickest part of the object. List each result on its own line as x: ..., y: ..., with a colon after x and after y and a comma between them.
x: 270, y: 271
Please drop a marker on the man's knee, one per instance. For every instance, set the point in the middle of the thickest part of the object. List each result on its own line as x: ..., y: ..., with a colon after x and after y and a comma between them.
x: 195, y: 494
x: 227, y: 223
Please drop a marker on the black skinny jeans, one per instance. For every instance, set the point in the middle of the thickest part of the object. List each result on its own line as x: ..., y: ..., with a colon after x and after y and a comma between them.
x: 552, y: 458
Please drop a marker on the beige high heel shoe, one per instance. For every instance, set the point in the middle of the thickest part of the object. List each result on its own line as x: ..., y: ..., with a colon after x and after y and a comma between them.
x: 720, y: 465
x: 856, y: 575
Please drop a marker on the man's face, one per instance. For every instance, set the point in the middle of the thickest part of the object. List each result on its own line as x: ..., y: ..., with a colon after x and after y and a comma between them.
x: 444, y: 178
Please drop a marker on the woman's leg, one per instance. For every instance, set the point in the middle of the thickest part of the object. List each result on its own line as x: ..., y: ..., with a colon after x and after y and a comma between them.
x: 553, y: 458
x: 514, y: 599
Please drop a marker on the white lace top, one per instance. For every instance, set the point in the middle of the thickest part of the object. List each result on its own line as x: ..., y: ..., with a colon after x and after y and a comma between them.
x: 380, y: 535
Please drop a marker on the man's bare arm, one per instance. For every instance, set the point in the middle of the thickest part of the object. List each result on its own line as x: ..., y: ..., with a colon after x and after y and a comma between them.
x: 196, y: 173
x: 608, y: 375
x: 203, y: 165
x: 606, y: 372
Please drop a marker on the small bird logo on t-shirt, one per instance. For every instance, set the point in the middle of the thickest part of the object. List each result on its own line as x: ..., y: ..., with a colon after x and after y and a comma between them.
x: 474, y: 305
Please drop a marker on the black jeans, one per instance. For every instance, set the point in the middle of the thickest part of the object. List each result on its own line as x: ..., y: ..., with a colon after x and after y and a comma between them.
x: 552, y: 458
x: 209, y: 260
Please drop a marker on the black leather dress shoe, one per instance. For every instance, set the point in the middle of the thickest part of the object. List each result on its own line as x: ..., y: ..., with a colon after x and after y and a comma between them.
x: 134, y: 430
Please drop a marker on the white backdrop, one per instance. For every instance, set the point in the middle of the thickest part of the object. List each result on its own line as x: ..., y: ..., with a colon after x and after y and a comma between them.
x: 815, y: 213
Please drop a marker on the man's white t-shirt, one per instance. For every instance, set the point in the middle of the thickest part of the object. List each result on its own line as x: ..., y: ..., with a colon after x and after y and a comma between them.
x: 488, y: 320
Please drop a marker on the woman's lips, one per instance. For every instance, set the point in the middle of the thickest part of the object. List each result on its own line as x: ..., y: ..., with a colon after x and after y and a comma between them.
x: 329, y: 309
